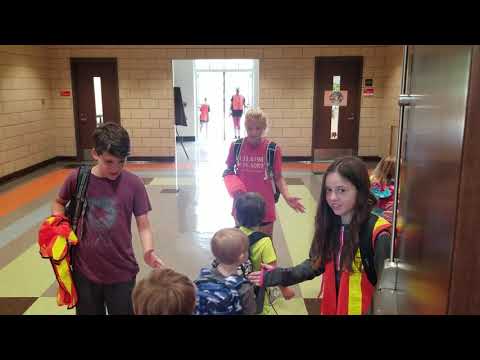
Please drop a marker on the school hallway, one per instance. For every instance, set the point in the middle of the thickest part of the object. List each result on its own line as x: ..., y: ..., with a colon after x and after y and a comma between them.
x: 183, y: 223
x: 415, y: 103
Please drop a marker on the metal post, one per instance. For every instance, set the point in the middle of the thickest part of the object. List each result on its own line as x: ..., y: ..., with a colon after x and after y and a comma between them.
x: 398, y: 152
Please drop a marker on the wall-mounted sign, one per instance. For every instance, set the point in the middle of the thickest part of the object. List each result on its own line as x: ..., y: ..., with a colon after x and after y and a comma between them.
x: 65, y: 93
x: 335, y: 98
x: 368, y: 91
x: 368, y: 82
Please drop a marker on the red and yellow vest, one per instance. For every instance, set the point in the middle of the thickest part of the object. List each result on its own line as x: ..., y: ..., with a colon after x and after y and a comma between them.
x: 238, y: 102
x: 355, y: 290
x: 54, y: 238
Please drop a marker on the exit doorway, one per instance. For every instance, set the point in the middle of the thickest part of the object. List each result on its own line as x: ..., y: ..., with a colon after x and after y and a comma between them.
x: 217, y: 81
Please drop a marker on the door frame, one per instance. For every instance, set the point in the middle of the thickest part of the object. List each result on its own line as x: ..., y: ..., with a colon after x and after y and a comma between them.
x: 73, y: 73
x: 317, y: 95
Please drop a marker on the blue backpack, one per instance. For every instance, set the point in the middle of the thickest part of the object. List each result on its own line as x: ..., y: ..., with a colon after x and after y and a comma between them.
x: 218, y: 297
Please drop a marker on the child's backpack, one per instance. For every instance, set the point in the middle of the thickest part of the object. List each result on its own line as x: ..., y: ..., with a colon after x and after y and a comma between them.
x: 247, y: 267
x: 270, y: 156
x: 218, y: 296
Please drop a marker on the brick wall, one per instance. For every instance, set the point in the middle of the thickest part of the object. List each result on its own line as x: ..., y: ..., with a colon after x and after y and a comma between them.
x: 390, y: 110
x: 146, y: 96
x: 26, y: 130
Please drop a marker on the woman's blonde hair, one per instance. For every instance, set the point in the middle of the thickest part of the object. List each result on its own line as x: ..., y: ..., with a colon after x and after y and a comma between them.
x: 258, y: 116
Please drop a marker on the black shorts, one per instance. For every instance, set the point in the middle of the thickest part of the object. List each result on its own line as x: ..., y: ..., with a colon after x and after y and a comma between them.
x: 237, y: 113
x: 96, y: 299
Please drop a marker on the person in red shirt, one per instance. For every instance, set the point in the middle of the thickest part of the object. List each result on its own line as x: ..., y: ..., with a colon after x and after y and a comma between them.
x: 237, y: 105
x: 252, y: 168
x: 204, y: 118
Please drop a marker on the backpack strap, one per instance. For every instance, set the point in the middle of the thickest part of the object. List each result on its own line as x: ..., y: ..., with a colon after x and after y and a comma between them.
x: 367, y: 250
x: 80, y: 196
x: 271, y: 148
x: 255, y: 236
x: 270, y: 156
x: 237, y: 147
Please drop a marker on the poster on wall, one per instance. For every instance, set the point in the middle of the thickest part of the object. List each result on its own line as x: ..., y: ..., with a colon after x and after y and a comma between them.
x: 335, y: 98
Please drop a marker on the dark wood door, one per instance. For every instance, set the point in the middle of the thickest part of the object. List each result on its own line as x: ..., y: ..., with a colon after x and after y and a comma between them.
x: 88, y: 113
x: 346, y: 71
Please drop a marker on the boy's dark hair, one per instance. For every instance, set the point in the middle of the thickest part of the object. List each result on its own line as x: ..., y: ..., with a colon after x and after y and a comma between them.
x: 249, y: 209
x: 164, y: 292
x: 112, y: 138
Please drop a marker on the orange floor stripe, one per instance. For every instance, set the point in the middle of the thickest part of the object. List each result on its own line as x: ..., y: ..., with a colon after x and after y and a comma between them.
x: 305, y: 166
x: 25, y: 193
x: 158, y: 166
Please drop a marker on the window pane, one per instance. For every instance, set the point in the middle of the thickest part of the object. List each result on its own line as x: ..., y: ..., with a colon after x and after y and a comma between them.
x: 97, y: 88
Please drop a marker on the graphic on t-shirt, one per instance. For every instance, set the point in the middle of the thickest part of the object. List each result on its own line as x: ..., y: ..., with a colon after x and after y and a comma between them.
x: 102, y: 213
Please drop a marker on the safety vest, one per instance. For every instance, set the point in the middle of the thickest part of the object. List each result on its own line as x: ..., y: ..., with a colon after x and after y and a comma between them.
x: 54, y: 238
x: 355, y: 290
x: 238, y: 101
x: 204, y: 112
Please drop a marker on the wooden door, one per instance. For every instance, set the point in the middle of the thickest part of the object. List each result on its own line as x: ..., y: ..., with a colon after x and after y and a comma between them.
x: 95, y: 98
x: 337, y: 84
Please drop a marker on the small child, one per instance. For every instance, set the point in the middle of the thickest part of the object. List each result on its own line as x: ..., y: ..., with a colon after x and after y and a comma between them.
x: 164, y: 292
x: 382, y: 185
x: 220, y: 290
x: 250, y: 210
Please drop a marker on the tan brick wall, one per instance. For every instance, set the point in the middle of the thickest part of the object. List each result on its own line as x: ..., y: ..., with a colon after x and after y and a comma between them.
x: 146, y: 95
x: 286, y: 93
x: 26, y: 130
x: 390, y: 110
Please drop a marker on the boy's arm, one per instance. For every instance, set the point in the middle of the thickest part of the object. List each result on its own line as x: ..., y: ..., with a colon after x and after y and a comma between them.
x: 146, y: 237
x: 58, y: 206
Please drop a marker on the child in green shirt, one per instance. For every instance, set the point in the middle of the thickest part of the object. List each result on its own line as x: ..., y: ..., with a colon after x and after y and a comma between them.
x: 249, y: 212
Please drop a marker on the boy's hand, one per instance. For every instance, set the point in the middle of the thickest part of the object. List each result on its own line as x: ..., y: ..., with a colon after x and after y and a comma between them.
x: 152, y: 260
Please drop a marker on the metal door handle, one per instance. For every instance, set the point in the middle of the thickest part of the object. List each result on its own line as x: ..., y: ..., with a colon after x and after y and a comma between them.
x: 408, y: 100
x: 351, y: 118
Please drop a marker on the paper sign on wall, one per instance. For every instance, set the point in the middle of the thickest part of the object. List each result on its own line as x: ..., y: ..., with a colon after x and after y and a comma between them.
x: 335, y: 98
x: 64, y: 92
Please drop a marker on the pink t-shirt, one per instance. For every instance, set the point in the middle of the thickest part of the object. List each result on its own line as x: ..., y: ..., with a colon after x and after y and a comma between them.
x: 252, y: 170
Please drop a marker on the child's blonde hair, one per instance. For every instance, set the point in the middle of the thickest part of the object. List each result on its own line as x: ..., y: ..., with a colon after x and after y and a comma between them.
x: 228, y: 245
x: 258, y: 116
x: 384, y: 172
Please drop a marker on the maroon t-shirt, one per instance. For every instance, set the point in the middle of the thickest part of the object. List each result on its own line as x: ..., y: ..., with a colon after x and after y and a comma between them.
x: 104, y: 254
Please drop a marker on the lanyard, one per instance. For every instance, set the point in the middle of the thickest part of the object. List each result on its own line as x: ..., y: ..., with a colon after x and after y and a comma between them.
x: 340, y: 249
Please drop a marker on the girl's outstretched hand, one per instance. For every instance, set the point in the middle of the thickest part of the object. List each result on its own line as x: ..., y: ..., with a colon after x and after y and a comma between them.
x: 295, y: 204
x: 257, y: 276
